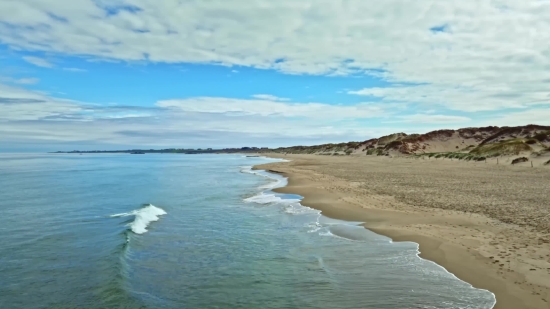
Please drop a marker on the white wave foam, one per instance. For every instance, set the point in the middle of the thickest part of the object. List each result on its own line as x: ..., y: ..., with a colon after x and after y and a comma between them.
x: 267, y: 198
x: 297, y: 209
x: 450, y: 273
x: 267, y: 158
x: 289, y: 205
x: 143, y: 217
x: 274, y: 184
x: 278, y: 181
x: 326, y: 233
x: 313, y: 227
x: 247, y: 169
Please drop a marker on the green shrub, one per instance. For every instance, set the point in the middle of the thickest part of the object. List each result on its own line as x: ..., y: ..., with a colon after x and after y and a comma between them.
x: 454, y: 155
x: 541, y: 136
x: 511, y: 147
x: 520, y: 160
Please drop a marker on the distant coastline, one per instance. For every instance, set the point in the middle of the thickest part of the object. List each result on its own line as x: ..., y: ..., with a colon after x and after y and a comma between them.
x: 530, y: 142
x: 173, y: 150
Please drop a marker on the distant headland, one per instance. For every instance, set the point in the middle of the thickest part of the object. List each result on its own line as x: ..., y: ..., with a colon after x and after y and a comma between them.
x: 474, y: 143
x: 175, y: 150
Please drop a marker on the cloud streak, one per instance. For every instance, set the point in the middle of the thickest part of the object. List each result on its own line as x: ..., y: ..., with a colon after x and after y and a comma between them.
x: 273, y: 107
x: 35, y: 118
x: 27, y: 81
x: 269, y: 97
x: 74, y: 70
x: 466, y: 56
x: 431, y: 119
x: 39, y: 62
x: 461, y: 61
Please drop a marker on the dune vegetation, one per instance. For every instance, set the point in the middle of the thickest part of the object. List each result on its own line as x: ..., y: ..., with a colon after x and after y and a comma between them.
x: 509, y: 147
x: 471, y: 144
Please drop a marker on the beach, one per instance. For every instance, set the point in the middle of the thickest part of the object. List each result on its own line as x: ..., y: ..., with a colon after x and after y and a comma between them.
x: 195, y: 231
x: 487, y: 224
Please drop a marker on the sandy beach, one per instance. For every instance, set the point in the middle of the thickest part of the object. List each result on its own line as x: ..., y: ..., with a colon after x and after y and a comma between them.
x: 488, y: 224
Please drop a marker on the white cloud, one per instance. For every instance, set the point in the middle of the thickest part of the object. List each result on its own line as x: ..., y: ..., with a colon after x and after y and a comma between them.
x: 534, y: 116
x: 269, y: 97
x: 18, y: 104
x: 266, y: 107
x: 491, y: 54
x: 27, y: 81
x: 38, y: 61
x: 29, y: 116
x: 431, y: 119
x: 34, y: 118
x: 21, y: 81
x: 468, y: 99
x: 74, y: 70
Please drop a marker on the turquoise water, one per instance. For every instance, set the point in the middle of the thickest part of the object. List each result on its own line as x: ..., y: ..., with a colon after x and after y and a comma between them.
x: 193, y: 231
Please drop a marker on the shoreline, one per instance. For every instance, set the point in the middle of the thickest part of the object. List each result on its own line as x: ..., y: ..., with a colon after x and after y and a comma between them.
x: 340, y: 199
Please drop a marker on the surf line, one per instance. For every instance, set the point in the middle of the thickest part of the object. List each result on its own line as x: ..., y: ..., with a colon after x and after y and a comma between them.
x: 142, y: 217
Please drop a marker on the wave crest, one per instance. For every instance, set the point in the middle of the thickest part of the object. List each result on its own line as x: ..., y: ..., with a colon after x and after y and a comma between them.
x: 143, y: 217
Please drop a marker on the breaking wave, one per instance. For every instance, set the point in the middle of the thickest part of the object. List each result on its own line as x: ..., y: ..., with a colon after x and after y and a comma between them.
x: 142, y: 217
x: 268, y: 198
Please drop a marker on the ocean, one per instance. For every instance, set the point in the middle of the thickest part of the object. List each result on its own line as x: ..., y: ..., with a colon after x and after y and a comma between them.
x: 194, y: 231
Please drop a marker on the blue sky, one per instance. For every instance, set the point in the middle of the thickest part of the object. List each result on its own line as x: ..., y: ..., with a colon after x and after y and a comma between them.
x: 143, y: 83
x: 85, y: 74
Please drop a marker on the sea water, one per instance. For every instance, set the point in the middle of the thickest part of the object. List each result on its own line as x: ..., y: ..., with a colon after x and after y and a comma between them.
x: 194, y: 231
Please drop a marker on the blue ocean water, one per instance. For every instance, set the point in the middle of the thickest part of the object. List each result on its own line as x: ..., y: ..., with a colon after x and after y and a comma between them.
x: 193, y: 231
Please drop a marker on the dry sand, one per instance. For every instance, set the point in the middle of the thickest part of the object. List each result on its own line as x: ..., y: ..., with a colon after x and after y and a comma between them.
x: 488, y: 224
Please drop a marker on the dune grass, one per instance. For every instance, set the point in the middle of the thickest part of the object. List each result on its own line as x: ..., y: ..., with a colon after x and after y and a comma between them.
x: 520, y: 160
x: 511, y: 147
x: 453, y: 155
x: 542, y: 136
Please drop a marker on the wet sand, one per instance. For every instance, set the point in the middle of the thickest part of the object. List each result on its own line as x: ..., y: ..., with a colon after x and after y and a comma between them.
x: 488, y: 224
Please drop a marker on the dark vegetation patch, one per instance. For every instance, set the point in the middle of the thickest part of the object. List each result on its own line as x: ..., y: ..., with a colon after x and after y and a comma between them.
x: 520, y: 160
x: 510, y: 147
x: 394, y: 145
x: 542, y: 136
x: 508, y: 141
x: 514, y: 131
x: 454, y: 155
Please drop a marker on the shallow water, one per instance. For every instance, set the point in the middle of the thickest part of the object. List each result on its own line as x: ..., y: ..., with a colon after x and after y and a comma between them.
x: 194, y: 231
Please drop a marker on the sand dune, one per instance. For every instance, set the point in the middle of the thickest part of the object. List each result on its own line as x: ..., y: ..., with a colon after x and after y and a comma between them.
x: 479, y: 142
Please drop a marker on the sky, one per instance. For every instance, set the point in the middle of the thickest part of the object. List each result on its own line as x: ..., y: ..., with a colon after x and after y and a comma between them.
x: 119, y: 74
